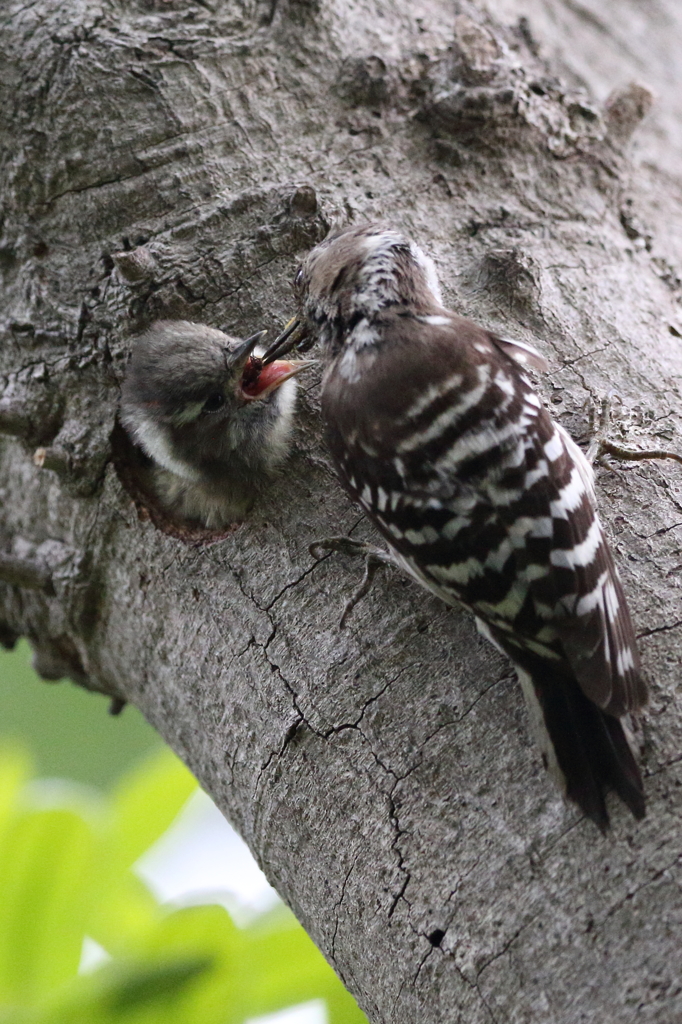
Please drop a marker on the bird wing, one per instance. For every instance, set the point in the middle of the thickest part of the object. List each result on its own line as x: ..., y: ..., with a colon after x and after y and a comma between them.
x: 446, y: 446
x: 573, y: 582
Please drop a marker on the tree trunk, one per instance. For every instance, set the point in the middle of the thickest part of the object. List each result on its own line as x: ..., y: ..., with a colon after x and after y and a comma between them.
x: 382, y: 774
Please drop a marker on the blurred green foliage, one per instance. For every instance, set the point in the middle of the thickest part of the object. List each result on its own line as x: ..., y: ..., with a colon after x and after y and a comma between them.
x: 66, y: 858
x: 68, y: 730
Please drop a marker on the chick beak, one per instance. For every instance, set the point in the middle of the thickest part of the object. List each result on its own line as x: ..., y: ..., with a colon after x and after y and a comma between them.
x: 237, y: 357
x: 259, y: 380
x: 293, y: 334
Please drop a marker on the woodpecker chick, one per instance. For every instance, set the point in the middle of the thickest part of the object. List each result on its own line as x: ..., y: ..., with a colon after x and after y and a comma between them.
x: 438, y: 435
x: 214, y: 421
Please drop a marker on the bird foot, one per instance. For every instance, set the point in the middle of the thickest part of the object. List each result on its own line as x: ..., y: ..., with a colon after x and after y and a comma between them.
x: 601, y: 420
x: 374, y: 558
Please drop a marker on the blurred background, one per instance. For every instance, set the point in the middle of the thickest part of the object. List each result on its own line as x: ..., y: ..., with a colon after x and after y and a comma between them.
x: 124, y: 894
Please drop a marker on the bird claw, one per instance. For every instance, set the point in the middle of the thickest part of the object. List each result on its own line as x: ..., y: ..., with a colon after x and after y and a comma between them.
x: 374, y: 558
x: 601, y: 417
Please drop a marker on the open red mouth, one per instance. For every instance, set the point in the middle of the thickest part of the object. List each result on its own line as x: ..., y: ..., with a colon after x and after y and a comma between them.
x: 259, y: 381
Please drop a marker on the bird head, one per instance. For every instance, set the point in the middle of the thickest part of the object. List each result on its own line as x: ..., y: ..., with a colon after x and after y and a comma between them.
x: 195, y: 399
x: 352, y: 276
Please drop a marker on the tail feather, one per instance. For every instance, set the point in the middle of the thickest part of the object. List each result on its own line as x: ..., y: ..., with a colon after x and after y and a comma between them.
x: 588, y: 746
x: 626, y: 780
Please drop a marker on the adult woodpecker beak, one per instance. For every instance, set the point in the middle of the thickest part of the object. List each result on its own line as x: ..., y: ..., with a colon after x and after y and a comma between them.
x: 259, y: 380
x: 293, y: 334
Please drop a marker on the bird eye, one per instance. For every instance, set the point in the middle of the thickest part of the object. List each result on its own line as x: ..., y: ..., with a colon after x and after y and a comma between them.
x: 214, y: 402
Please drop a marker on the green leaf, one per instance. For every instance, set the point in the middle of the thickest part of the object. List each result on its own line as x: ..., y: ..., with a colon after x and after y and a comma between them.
x: 66, y: 872
x: 284, y: 968
x: 258, y: 970
x: 342, y: 1007
x: 46, y: 870
x: 207, y: 931
x: 15, y: 1015
x: 125, y: 912
x: 156, y: 982
x: 146, y: 802
x: 126, y: 992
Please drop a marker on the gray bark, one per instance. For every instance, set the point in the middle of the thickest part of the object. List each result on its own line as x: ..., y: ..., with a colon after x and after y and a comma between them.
x: 382, y: 775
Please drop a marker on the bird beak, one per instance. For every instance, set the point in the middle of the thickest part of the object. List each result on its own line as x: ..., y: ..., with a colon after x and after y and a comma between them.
x: 235, y: 357
x: 263, y: 380
x: 293, y: 334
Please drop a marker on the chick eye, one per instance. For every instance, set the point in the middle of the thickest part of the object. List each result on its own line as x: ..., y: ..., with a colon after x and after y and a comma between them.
x: 214, y: 402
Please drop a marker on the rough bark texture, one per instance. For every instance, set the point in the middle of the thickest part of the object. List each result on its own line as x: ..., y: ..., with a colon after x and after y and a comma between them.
x: 382, y: 775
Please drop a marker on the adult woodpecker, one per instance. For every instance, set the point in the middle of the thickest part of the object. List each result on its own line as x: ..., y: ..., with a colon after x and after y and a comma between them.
x: 438, y: 435
x: 212, y: 419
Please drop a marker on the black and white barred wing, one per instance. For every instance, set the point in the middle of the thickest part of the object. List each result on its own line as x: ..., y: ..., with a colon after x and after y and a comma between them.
x: 591, y: 612
x: 489, y: 503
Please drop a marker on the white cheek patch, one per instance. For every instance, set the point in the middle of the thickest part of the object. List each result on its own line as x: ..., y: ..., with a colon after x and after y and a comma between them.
x: 363, y: 335
x: 152, y: 438
x: 347, y: 366
x: 379, y: 264
x: 436, y: 320
x: 430, y: 272
x: 282, y: 426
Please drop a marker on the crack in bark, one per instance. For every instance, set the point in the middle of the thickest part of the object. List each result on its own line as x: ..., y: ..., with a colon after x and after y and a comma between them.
x: 422, y: 962
x: 547, y: 849
x: 496, y: 956
x: 279, y: 754
x: 337, y: 907
x: 393, y: 816
x: 467, y: 982
x: 295, y: 583
x: 507, y: 675
x: 356, y: 724
x: 659, y: 629
x: 585, y: 355
x: 664, y: 529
